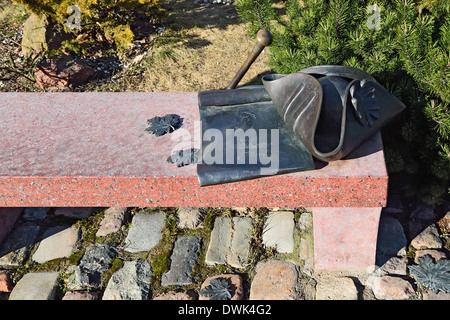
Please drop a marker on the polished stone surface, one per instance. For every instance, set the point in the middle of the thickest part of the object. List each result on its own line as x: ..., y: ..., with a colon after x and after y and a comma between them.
x: 91, y: 149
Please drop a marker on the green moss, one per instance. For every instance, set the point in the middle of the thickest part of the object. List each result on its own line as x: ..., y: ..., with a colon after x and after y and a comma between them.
x: 122, y: 36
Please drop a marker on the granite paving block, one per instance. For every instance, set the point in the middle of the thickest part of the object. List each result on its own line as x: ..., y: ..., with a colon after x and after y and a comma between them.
x: 278, y: 231
x: 112, y: 221
x: 131, y: 282
x: 190, y: 218
x: 274, y: 280
x: 96, y: 260
x: 219, y: 242
x: 57, y: 242
x: 91, y: 150
x: 336, y: 288
x: 240, y: 244
x: 145, y: 232
x: 16, y: 248
x: 182, y: 261
x: 229, y: 242
x: 35, y: 286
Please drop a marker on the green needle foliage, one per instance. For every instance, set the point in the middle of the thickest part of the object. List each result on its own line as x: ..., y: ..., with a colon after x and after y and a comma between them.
x: 406, y: 49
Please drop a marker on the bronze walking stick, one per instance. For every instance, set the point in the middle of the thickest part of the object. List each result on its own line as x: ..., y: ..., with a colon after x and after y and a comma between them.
x: 264, y: 39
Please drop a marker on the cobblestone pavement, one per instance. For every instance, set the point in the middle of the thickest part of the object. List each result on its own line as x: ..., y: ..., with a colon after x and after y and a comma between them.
x: 206, y: 253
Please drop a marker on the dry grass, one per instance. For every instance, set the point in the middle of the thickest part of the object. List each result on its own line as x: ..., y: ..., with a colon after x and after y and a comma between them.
x: 201, y: 49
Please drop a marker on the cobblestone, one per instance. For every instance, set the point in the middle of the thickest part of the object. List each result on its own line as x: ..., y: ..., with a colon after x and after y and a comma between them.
x: 145, y: 232
x: 178, y: 259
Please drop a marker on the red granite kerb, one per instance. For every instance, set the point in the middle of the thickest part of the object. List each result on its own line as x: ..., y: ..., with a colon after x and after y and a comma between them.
x: 91, y: 149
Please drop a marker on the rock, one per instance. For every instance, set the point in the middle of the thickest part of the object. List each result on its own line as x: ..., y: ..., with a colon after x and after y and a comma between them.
x: 190, y: 218
x: 6, y: 283
x: 427, y: 239
x: 392, y: 288
x: 145, y: 232
x: 240, y: 210
x: 57, y: 242
x: 240, y: 243
x: 40, y: 34
x: 435, y: 254
x: 306, y: 255
x: 17, y: 247
x: 229, y: 242
x: 336, y: 288
x: 112, y: 221
x: 220, y: 239
x: 274, y: 280
x: 396, y: 266
x: 183, y: 259
x: 279, y: 231
x: 305, y: 221
x: 131, y: 282
x: 60, y: 72
x: 35, y: 214
x: 391, y: 237
x: 77, y: 213
x: 81, y: 295
x: 35, y: 286
x: 8, y: 218
x: 235, y: 282
x: 173, y: 295
x: 96, y: 259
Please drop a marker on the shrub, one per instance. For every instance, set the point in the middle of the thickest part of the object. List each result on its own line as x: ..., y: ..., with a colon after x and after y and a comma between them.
x: 407, y: 52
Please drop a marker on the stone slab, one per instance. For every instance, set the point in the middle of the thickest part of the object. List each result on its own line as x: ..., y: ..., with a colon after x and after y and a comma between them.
x: 91, y: 150
x: 35, y: 286
x: 278, y: 231
x: 57, y: 242
x: 112, y: 221
x: 229, y: 242
x: 145, y: 232
x: 88, y: 273
x: 131, y: 282
x: 345, y: 238
x: 182, y: 261
x: 336, y: 288
x: 16, y: 248
x: 274, y: 280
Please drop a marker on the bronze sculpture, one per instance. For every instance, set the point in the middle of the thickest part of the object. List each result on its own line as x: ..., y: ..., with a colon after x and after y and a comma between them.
x: 332, y: 109
x: 323, y: 112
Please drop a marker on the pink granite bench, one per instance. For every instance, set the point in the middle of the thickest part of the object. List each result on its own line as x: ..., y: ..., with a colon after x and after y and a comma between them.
x: 91, y: 150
